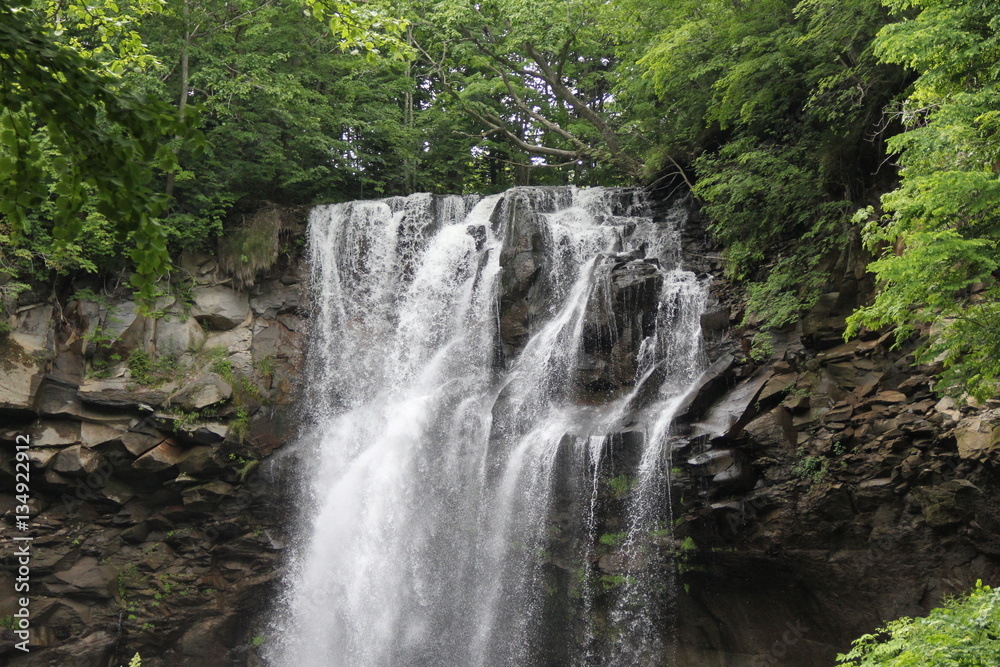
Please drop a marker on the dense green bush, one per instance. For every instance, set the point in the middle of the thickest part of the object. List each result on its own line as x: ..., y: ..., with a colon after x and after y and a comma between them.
x: 964, y: 632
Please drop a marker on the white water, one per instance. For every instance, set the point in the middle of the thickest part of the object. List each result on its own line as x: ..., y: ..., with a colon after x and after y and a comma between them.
x: 434, y: 473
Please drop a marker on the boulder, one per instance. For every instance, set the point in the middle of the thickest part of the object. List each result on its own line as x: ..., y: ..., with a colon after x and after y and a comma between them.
x: 93, y: 435
x: 273, y: 297
x: 735, y: 410
x: 206, y: 497
x: 200, y: 462
x: 947, y: 504
x: 115, y: 491
x: 202, y: 392
x: 119, y: 318
x: 138, y: 443
x: 208, y: 433
x: 978, y: 437
x: 55, y: 433
x: 232, y: 341
x: 88, y: 578
x: 715, y: 321
x: 40, y: 458
x: 165, y: 455
x: 221, y: 307
x: 34, y: 329
x: 56, y: 399
x: 68, y: 367
x: 76, y: 460
x: 706, y: 390
x: 178, y: 334
x: 198, y: 264
x: 20, y: 379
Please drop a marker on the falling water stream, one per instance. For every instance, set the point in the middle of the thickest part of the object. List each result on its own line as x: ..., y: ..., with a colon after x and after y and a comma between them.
x: 457, y: 484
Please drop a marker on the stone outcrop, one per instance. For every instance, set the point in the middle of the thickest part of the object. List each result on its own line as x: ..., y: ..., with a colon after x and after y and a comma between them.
x: 155, y: 511
x: 838, y: 492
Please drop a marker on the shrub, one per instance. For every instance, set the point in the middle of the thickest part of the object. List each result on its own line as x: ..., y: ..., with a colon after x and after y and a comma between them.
x: 963, y: 632
x: 140, y: 366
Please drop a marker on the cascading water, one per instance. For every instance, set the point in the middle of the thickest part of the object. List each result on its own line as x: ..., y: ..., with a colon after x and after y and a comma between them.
x: 488, y: 376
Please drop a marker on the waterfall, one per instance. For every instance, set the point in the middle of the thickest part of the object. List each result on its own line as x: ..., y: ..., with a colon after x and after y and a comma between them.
x: 491, y: 379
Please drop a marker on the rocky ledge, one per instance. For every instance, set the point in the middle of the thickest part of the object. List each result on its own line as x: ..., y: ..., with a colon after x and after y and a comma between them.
x: 152, y: 492
x: 825, y: 491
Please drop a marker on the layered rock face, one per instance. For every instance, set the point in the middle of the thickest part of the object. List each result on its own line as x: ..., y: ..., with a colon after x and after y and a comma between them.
x: 824, y: 491
x: 153, y: 499
x: 814, y: 494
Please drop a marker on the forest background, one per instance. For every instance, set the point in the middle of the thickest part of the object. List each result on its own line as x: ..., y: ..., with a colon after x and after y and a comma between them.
x: 131, y: 130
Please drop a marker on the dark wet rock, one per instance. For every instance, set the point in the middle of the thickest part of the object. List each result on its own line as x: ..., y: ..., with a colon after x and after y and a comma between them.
x: 620, y: 315
x: 707, y: 389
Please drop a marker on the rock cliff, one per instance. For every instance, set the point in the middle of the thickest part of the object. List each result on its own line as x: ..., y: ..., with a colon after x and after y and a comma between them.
x: 155, y: 510
x: 815, y: 494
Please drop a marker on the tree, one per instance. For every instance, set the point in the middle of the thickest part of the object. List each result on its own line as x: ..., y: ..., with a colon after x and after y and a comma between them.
x: 537, y: 77
x: 944, y: 214
x: 71, y: 133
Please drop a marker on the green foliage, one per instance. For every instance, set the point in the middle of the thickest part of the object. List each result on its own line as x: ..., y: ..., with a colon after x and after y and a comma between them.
x: 621, y: 485
x: 140, y: 366
x: 146, y: 371
x: 771, y: 105
x: 612, y: 539
x: 609, y: 582
x: 962, y: 632
x: 936, y: 241
x: 221, y: 364
x: 247, y: 251
x: 74, y: 137
x: 810, y: 467
x: 240, y: 425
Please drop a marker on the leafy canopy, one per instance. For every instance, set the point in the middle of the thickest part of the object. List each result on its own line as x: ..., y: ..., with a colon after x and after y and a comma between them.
x: 936, y: 242
x: 70, y: 132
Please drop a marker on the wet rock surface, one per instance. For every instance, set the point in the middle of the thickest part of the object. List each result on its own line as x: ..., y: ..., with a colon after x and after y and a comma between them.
x: 815, y: 494
x: 863, y: 497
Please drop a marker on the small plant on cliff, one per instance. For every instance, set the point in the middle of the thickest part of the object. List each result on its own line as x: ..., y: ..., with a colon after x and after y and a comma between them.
x: 612, y: 539
x: 222, y: 364
x: 810, y: 467
x: 963, y: 631
x: 620, y: 485
x: 240, y: 424
x: 140, y: 367
x: 265, y: 367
